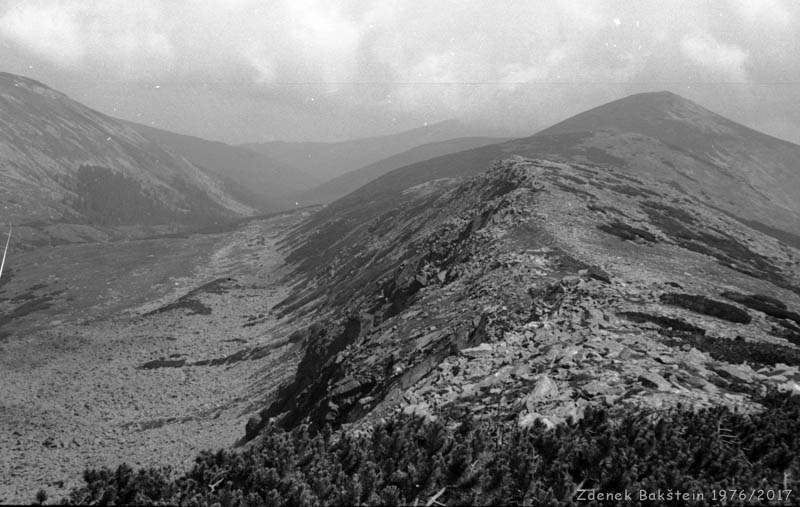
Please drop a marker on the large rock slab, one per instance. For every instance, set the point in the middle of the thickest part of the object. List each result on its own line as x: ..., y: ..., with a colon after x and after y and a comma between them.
x: 654, y: 380
x: 544, y: 390
x: 484, y: 349
x: 740, y: 372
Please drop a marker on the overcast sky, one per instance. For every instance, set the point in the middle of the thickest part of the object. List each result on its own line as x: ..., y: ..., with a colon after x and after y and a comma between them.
x: 254, y: 70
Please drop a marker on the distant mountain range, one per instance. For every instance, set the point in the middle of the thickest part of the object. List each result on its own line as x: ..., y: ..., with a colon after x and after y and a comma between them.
x: 74, y: 174
x: 63, y: 163
x: 329, y: 160
x: 352, y: 180
x: 252, y: 177
x: 747, y: 174
x: 278, y: 175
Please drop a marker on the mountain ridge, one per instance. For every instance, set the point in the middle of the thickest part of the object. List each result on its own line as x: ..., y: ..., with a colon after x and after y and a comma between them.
x: 759, y: 160
x: 432, y: 263
x: 739, y: 183
x: 331, y: 159
x: 529, y: 265
x: 254, y: 177
x: 352, y: 180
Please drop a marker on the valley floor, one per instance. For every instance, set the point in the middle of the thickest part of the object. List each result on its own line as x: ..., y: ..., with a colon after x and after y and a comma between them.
x: 141, y: 352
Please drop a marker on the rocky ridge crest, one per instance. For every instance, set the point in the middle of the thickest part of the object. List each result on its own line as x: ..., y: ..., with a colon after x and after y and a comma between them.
x: 533, y: 291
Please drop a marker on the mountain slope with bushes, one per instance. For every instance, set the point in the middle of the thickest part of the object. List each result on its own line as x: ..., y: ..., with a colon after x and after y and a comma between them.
x: 68, y: 170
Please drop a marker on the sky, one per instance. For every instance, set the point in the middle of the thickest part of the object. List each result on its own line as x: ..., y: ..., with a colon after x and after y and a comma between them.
x: 257, y: 70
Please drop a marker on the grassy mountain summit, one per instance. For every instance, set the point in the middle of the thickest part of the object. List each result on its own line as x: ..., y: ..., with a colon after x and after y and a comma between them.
x: 674, y: 139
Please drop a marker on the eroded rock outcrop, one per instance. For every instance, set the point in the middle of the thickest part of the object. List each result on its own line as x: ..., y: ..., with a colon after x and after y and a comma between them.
x: 501, y: 296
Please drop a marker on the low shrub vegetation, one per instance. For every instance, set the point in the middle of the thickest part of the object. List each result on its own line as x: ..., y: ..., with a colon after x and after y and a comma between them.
x: 407, y: 460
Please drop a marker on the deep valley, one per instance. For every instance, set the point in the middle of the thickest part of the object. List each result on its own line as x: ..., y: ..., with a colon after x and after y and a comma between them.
x: 92, y: 335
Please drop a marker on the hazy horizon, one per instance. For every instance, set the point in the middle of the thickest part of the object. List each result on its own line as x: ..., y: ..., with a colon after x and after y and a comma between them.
x: 312, y: 71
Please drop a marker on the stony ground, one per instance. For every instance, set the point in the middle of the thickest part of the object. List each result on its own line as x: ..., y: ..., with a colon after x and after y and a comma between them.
x: 538, y: 289
x: 551, y: 370
x: 106, y: 375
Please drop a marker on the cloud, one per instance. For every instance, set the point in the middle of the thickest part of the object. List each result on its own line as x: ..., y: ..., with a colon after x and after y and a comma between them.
x: 289, y: 40
x: 73, y: 33
x: 726, y: 60
x: 768, y: 14
x: 50, y: 31
x: 195, y: 39
x: 469, y: 58
x: 308, y: 41
x: 463, y: 57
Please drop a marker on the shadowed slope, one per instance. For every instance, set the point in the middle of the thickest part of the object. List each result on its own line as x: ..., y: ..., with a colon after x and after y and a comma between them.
x: 329, y: 160
x: 661, y: 136
x: 348, y: 182
x: 252, y: 177
x: 540, y: 267
x: 62, y: 162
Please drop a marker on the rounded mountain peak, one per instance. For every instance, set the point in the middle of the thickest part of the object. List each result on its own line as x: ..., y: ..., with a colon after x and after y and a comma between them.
x: 652, y: 113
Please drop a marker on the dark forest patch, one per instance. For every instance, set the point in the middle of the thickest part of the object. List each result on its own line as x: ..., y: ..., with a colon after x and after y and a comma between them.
x: 163, y: 363
x: 191, y: 302
x: 107, y: 197
x: 722, y: 247
x: 248, y: 354
x: 31, y: 305
x: 779, y: 234
x: 786, y: 330
x: 29, y: 294
x: 670, y: 326
x: 670, y: 211
x: 628, y: 232
x: 740, y: 351
x: 110, y: 198
x: 192, y: 305
x: 764, y: 304
x: 572, y: 178
x: 707, y: 306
